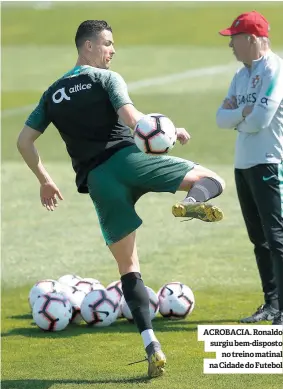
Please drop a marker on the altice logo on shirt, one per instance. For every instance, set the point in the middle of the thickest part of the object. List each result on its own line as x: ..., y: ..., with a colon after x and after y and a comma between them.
x: 61, y: 95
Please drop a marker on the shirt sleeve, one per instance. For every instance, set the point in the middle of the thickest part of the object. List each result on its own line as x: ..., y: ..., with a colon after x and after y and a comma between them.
x: 39, y: 119
x: 268, y: 101
x: 117, y: 90
x: 229, y: 118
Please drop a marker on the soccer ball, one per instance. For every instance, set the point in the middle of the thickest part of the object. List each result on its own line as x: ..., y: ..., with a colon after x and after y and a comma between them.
x: 115, y: 292
x: 69, y: 279
x: 43, y: 287
x: 153, y: 305
x: 75, y: 296
x: 94, y: 281
x: 155, y: 134
x: 176, y: 300
x: 89, y: 284
x: 52, y: 312
x: 98, y: 309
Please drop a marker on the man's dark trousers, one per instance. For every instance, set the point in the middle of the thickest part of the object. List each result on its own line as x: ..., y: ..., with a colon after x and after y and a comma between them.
x: 260, y: 193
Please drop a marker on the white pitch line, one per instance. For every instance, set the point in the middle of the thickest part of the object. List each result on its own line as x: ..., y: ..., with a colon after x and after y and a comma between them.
x: 6, y: 113
x: 208, y: 71
x: 136, y: 85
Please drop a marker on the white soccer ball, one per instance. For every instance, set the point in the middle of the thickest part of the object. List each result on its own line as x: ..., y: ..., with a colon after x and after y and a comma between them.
x: 98, y: 309
x: 89, y: 284
x: 153, y: 305
x: 93, y: 280
x: 52, y: 312
x: 176, y: 300
x: 75, y: 296
x: 155, y: 134
x: 114, y: 289
x: 69, y: 279
x: 43, y: 287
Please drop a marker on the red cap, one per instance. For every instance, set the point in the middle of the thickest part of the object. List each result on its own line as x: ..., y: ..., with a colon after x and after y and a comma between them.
x: 248, y: 23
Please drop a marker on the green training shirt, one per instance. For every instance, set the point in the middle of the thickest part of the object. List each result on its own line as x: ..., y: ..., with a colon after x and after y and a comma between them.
x: 83, y: 106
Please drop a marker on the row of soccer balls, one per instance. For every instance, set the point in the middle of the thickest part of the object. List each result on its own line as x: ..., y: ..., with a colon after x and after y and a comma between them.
x: 55, y: 304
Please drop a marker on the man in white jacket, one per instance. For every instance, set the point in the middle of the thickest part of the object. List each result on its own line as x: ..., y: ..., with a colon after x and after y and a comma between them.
x: 254, y: 107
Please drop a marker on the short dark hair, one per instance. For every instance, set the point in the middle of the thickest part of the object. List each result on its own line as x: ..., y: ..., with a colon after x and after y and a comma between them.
x: 90, y: 29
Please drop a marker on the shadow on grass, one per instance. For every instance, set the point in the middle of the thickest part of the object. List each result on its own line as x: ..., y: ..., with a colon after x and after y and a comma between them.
x: 21, y: 317
x: 46, y: 384
x: 122, y: 326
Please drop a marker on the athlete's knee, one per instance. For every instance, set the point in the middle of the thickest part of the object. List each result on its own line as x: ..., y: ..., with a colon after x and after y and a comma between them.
x: 125, y: 254
x: 203, y: 172
x: 197, y: 173
x: 220, y: 180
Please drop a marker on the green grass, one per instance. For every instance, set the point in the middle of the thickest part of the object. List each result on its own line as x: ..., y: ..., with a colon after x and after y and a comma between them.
x: 217, y: 265
x: 132, y: 61
x: 84, y: 356
x: 134, y: 23
x: 216, y: 261
x: 177, y: 249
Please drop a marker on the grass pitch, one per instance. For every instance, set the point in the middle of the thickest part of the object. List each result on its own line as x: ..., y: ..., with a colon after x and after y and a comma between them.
x: 216, y: 260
